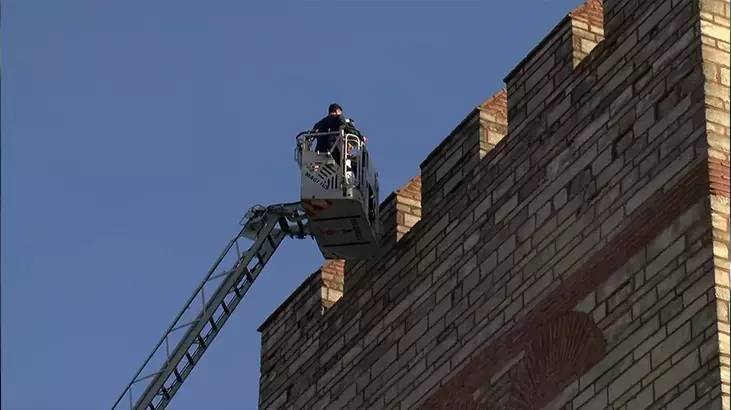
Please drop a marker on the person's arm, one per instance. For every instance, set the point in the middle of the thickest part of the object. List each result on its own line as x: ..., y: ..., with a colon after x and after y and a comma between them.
x: 317, y: 125
x: 350, y: 127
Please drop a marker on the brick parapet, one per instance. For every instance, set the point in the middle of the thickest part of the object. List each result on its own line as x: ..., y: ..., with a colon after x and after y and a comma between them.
x: 399, y: 213
x: 538, y: 75
x: 587, y: 29
x: 448, y: 164
x: 288, y: 337
x: 408, y: 208
x: 453, y: 161
x: 614, y: 191
x: 535, y: 86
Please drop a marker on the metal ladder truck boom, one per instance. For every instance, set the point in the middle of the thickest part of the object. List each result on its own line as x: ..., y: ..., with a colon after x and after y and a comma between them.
x: 338, y: 208
x: 203, y: 315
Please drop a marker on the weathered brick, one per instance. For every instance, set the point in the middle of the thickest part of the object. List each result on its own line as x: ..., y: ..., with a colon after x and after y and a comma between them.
x: 670, y: 345
x: 506, y: 208
x: 629, y: 377
x: 598, y: 402
x: 676, y: 373
x: 664, y: 258
x: 683, y: 400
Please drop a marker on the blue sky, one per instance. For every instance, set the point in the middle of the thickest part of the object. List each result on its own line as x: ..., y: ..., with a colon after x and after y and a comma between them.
x: 136, y: 133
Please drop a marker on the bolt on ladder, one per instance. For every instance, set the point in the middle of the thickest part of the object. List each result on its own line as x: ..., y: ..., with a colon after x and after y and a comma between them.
x: 203, y: 316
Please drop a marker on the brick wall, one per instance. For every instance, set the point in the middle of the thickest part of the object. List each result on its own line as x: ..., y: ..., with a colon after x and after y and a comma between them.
x: 570, y: 248
x: 399, y: 212
x: 715, y: 37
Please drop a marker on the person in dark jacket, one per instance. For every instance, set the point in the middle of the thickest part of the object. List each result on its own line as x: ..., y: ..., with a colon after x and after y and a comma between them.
x: 331, y: 123
x: 334, y: 122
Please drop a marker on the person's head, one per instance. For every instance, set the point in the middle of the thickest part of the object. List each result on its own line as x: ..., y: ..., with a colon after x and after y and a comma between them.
x: 335, y: 109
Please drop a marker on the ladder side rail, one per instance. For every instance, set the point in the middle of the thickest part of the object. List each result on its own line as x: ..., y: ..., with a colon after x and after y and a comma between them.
x: 194, y: 331
x: 175, y: 321
x: 238, y: 290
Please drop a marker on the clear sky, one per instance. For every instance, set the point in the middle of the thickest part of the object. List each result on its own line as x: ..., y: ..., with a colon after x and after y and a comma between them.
x: 136, y: 133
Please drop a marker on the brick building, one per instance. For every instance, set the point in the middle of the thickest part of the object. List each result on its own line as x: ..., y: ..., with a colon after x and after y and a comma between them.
x: 566, y: 246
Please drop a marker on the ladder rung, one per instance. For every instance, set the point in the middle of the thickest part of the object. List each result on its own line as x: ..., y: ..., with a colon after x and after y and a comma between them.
x: 244, y: 287
x: 247, y: 272
x: 201, y: 341
x: 213, y: 324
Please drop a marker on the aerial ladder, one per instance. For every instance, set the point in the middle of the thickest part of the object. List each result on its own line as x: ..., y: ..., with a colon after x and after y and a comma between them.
x: 338, y: 208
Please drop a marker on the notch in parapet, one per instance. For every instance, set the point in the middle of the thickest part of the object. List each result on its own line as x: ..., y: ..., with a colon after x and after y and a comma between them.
x: 332, y: 275
x: 296, y: 320
x: 625, y: 17
x: 400, y: 212
x: 319, y: 292
x: 493, y: 121
x: 408, y: 206
x: 543, y: 71
x: 587, y: 28
x: 458, y: 155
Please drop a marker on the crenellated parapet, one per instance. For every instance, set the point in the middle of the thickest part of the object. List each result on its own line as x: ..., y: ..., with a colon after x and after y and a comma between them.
x: 565, y: 246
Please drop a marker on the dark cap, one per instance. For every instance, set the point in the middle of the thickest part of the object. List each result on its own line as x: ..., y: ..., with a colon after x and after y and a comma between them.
x: 334, y: 107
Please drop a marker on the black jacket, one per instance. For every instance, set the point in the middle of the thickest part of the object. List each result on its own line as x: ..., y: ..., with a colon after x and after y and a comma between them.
x: 329, y: 123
